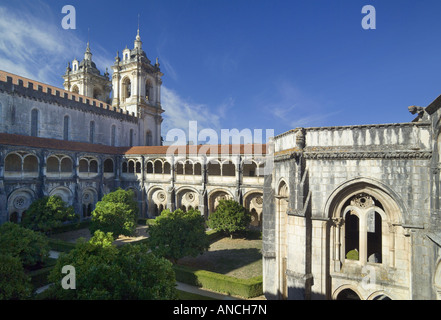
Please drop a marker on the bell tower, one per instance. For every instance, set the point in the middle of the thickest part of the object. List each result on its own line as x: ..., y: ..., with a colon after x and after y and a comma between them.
x: 84, y: 78
x: 137, y: 88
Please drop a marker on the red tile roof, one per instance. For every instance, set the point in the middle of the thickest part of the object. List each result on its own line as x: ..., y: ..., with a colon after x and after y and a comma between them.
x: 37, y: 142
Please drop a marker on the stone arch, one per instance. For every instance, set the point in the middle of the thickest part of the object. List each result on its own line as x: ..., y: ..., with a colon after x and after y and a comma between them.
x: 64, y: 193
x: 186, y: 198
x: 126, y: 88
x: 66, y: 164
x: 249, y: 168
x: 158, y: 166
x: 377, y: 235
x: 157, y: 199
x: 19, y: 201
x: 30, y: 163
x: 148, y: 89
x: 346, y: 292
x: 253, y: 202
x: 379, y: 295
x: 53, y: 164
x: 395, y: 207
x: 13, y: 162
x: 214, y: 167
x: 215, y: 196
x: 108, y: 166
x: 89, y: 198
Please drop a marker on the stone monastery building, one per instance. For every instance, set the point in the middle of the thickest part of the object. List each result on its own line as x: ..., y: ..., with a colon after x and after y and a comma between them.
x: 79, y: 144
x: 346, y: 212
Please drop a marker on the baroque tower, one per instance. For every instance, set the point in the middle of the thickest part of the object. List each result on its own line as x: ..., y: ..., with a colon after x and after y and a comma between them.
x: 84, y: 78
x: 137, y: 88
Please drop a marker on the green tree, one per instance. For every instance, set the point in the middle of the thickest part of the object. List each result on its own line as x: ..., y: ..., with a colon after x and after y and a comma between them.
x: 102, y: 271
x: 31, y: 247
x: 178, y: 234
x: 117, y: 213
x: 230, y: 217
x: 47, y: 213
x: 14, y: 283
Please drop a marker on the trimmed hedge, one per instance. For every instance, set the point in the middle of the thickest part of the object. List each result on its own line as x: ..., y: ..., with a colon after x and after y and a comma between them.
x: 247, y: 288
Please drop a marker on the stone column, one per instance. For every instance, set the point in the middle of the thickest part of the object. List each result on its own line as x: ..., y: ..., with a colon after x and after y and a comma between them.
x: 337, y: 224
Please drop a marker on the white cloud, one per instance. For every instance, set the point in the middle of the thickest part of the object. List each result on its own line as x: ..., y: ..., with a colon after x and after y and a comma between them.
x: 179, y: 111
x: 33, y: 44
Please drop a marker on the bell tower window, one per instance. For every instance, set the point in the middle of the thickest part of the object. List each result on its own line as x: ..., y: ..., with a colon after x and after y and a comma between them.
x: 126, y: 88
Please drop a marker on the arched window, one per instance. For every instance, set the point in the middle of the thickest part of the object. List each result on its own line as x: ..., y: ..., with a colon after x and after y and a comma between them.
x: 149, y: 167
x: 362, y: 214
x: 34, y: 123
x: 12, y: 114
x: 352, y: 235
x: 138, y: 167
x: 108, y: 166
x: 53, y: 164
x: 66, y: 128
x: 91, y: 131
x: 197, y: 169
x: 148, y: 138
x: 96, y: 93
x: 148, y: 87
x: 93, y: 166
x: 66, y: 165
x: 30, y: 164
x: 13, y: 163
x: 167, y: 168
x: 131, y: 138
x: 214, y: 168
x: 126, y: 88
x: 112, y: 135
x: 158, y: 166
x: 131, y: 167
x: 188, y: 168
x: 75, y: 88
x: 228, y: 169
x: 348, y: 294
x: 249, y: 169
x: 83, y: 166
x: 124, y: 167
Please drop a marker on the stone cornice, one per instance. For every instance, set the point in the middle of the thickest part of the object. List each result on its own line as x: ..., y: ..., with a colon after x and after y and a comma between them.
x: 368, y: 155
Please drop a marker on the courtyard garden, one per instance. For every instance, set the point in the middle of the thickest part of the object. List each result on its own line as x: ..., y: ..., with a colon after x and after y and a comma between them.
x: 177, y: 246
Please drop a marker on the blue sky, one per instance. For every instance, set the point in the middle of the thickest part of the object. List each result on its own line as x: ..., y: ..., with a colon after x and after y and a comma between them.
x: 246, y: 64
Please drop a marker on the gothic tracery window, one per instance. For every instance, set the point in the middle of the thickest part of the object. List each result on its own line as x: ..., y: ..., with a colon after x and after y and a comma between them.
x: 362, y: 216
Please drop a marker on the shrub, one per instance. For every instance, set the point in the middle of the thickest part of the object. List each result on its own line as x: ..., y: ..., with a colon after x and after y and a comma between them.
x: 14, y: 283
x: 105, y: 272
x: 247, y: 288
x: 117, y: 213
x: 47, y: 213
x: 178, y: 234
x: 29, y: 246
x: 229, y: 217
